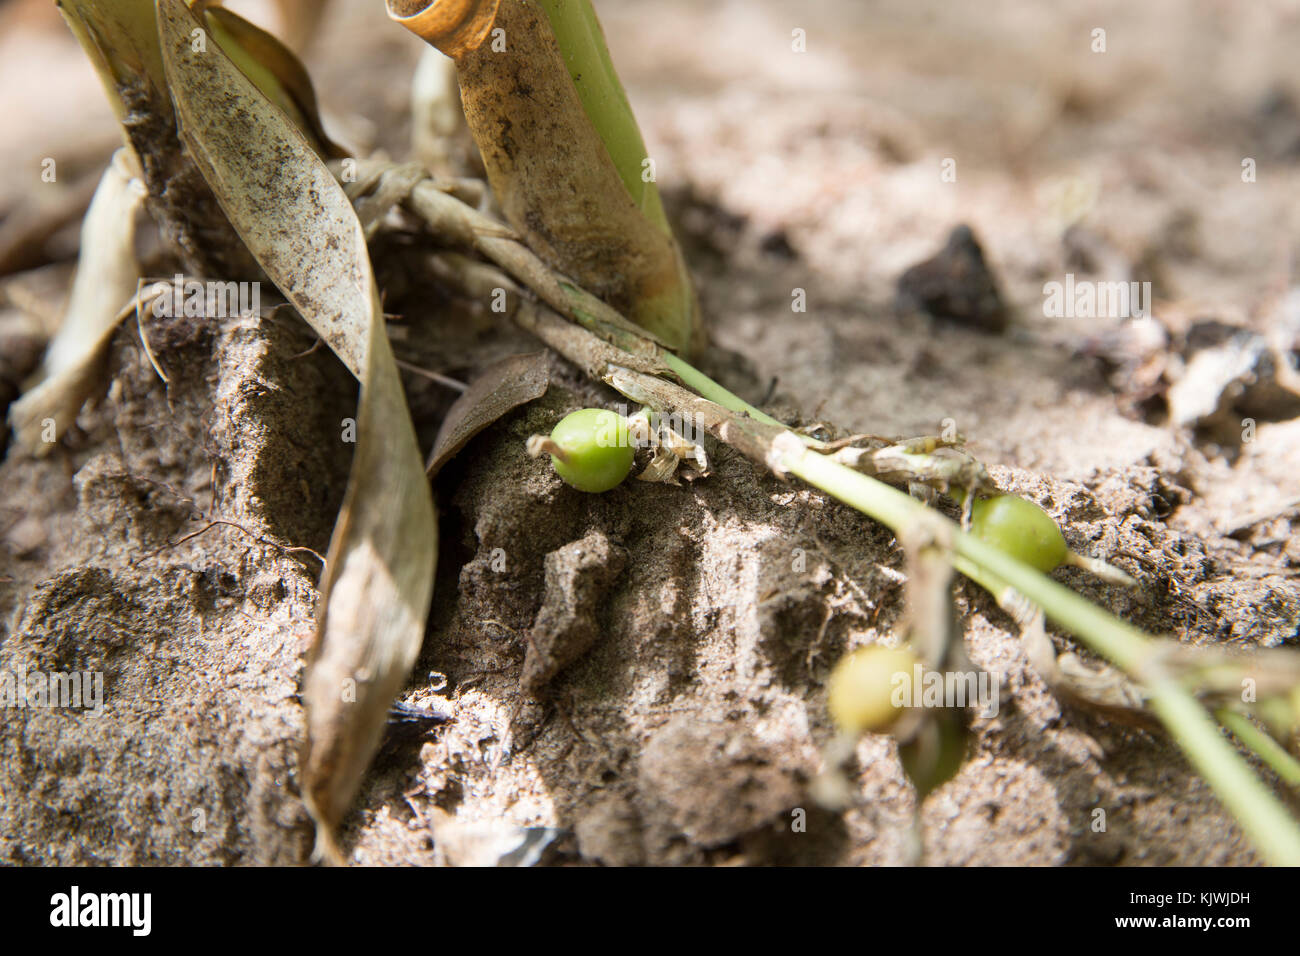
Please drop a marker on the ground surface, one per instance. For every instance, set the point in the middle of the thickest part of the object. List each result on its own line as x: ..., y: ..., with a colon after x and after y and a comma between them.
x: 691, y: 729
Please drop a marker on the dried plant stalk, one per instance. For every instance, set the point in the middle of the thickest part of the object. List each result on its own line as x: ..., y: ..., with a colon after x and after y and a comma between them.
x: 456, y: 27
x: 569, y: 181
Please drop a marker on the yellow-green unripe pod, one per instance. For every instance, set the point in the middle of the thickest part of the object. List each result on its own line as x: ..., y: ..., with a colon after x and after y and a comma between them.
x: 862, y: 688
x: 591, y: 449
x: 1021, y: 529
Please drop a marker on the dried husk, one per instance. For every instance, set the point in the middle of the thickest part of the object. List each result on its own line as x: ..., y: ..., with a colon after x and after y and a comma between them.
x: 456, y: 27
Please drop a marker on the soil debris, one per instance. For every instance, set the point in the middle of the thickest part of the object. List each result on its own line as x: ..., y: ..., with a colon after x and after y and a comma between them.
x: 956, y: 284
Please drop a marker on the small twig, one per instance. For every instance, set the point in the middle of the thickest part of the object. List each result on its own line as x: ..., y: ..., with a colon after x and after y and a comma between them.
x: 303, y: 354
x: 432, y: 376
x: 213, y: 522
x: 139, y: 326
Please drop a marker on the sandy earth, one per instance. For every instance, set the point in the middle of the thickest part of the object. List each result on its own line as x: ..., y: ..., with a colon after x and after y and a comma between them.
x: 690, y: 731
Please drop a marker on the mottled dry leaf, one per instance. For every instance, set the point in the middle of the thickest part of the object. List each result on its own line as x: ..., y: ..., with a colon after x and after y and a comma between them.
x: 121, y: 40
x: 276, y: 70
x: 501, y: 387
x: 378, y: 579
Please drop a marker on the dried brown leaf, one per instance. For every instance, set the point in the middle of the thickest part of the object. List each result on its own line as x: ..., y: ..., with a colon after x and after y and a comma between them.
x: 500, y: 388
x: 378, y: 579
x: 106, y: 280
x: 121, y: 40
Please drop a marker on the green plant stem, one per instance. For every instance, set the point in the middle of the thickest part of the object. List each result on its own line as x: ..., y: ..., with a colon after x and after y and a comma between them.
x: 693, y: 378
x: 1260, y: 814
x: 582, y: 44
x: 1268, y: 749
